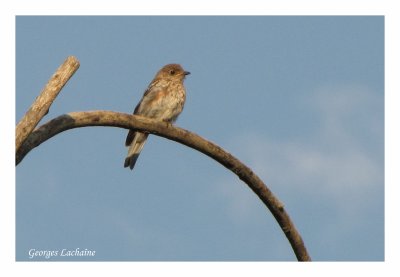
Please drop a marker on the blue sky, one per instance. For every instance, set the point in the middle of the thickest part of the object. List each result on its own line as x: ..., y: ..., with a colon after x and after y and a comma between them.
x: 298, y: 99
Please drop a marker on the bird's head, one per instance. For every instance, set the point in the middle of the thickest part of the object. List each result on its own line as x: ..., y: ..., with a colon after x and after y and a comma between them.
x: 172, y: 71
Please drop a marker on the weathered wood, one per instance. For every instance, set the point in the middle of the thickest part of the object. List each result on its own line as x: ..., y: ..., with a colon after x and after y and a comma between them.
x: 43, y: 102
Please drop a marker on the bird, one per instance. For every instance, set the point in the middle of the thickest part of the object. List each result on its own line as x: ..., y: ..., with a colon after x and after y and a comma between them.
x: 163, y: 99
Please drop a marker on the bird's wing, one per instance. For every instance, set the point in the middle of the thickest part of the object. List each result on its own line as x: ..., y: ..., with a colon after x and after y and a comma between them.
x: 129, y: 137
x: 152, y: 93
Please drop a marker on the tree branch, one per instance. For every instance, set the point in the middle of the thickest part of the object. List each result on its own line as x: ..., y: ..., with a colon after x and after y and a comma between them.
x: 43, y: 102
x: 127, y: 121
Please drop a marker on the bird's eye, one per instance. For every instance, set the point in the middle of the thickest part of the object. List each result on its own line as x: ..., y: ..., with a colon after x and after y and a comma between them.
x: 172, y: 72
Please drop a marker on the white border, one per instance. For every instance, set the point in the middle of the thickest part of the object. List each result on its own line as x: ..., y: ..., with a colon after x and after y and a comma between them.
x: 173, y: 7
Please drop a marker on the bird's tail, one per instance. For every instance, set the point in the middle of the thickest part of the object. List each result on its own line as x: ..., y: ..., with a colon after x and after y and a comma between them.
x: 135, y: 148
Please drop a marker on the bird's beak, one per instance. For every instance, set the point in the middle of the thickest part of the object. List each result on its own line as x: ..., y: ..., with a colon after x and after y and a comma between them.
x: 186, y: 73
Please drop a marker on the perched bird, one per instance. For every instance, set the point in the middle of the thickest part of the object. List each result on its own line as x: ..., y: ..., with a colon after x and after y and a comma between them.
x: 163, y: 99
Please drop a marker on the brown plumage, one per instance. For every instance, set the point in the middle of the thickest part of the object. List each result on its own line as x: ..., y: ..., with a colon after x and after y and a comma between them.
x: 164, y: 100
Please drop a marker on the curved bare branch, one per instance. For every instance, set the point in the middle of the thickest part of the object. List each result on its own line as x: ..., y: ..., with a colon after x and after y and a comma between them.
x: 127, y: 121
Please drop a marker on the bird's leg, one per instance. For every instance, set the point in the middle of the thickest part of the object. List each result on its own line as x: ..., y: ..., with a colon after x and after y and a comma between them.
x: 169, y: 123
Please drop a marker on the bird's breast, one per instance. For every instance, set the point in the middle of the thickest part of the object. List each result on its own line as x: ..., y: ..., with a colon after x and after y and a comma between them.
x: 167, y: 104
